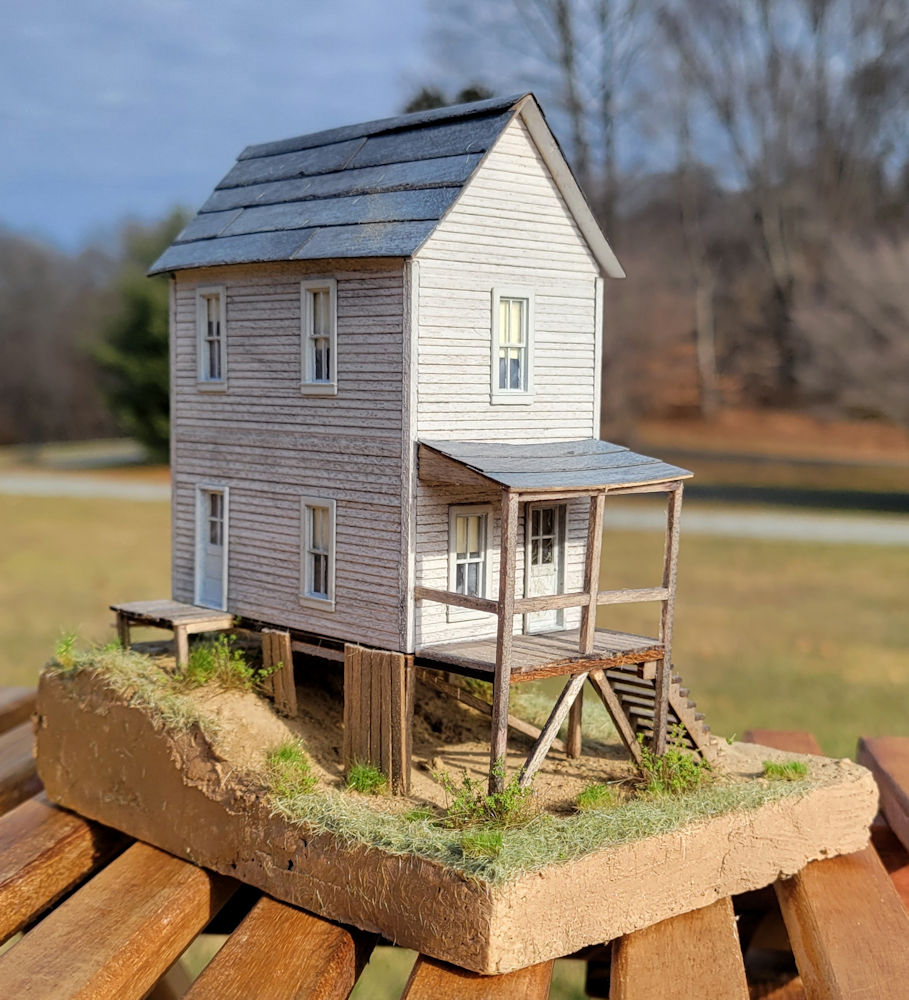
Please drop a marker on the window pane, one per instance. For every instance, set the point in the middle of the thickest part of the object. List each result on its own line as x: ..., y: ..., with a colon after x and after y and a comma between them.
x: 461, y: 535
x: 473, y: 536
x: 319, y: 521
x: 473, y: 579
x: 516, y: 324
x: 460, y: 579
x: 321, y: 313
x: 547, y: 513
x: 547, y: 557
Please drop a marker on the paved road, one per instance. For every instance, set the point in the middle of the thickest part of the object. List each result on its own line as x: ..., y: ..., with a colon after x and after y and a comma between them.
x: 855, y: 529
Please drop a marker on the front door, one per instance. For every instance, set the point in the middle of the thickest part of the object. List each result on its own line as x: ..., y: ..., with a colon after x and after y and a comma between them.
x: 544, y: 548
x: 211, y: 567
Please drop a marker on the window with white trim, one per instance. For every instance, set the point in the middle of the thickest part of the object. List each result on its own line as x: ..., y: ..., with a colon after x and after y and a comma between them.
x: 512, y: 346
x: 469, y: 567
x: 319, y: 318
x: 317, y: 584
x: 211, y: 337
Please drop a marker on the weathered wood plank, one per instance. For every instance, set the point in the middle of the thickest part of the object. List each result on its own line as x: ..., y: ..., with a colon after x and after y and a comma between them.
x: 16, y: 705
x: 888, y: 760
x: 432, y: 980
x: 694, y: 955
x: 119, y: 933
x: 18, y: 779
x: 277, y: 649
x: 44, y: 852
x: 793, y: 741
x: 501, y: 685
x: 591, y: 574
x: 457, y: 600
x: 641, y: 594
x: 283, y: 953
x: 603, y: 688
x: 560, y: 710
x: 670, y: 573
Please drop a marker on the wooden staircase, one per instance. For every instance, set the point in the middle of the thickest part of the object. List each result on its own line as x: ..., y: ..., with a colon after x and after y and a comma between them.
x: 634, y: 688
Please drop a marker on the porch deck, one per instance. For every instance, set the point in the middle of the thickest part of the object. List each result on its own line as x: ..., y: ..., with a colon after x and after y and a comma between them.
x: 544, y: 654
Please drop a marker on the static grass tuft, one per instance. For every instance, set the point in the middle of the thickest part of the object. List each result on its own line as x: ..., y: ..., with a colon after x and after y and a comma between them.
x: 289, y: 770
x: 674, y: 772
x: 598, y: 797
x: 482, y: 842
x: 135, y: 677
x: 219, y: 661
x: 366, y: 779
x: 790, y: 770
x: 470, y: 805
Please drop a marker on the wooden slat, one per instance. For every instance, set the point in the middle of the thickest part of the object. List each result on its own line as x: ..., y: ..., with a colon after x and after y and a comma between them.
x: 18, y: 780
x: 501, y: 687
x: 457, y: 600
x: 115, y: 937
x: 664, y: 668
x: 44, y: 852
x: 641, y: 594
x: 566, y: 699
x: 351, y: 703
x: 432, y: 980
x: 894, y: 857
x: 276, y: 648
x: 402, y: 679
x: 282, y: 953
x: 591, y: 574
x: 846, y: 923
x: 793, y: 741
x: 694, y: 955
x: 600, y: 683
x: 888, y: 760
x: 16, y: 705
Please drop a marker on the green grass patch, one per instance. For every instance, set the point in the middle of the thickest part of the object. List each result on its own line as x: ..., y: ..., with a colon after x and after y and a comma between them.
x: 219, y: 661
x: 598, y: 797
x: 471, y: 805
x: 366, y: 779
x: 289, y: 770
x: 482, y: 842
x: 135, y: 677
x: 674, y: 772
x: 790, y: 770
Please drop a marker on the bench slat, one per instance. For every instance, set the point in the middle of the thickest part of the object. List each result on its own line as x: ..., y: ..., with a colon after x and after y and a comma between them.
x: 44, y: 852
x: 16, y: 705
x: 18, y: 779
x: 432, y: 980
x: 793, y: 741
x: 888, y: 760
x: 283, y: 953
x: 116, y: 936
x: 696, y: 954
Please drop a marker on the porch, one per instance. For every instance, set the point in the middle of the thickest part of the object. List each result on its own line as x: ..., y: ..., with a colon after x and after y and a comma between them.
x: 554, y: 472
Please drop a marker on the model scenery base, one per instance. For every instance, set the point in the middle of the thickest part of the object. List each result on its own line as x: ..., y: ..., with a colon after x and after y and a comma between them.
x: 197, y: 771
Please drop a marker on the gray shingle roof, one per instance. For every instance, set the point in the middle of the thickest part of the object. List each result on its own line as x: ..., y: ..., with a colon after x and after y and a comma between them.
x: 372, y: 190
x: 584, y: 462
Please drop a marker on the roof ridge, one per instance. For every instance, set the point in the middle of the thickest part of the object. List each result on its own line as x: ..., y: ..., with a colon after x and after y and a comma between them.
x: 378, y: 126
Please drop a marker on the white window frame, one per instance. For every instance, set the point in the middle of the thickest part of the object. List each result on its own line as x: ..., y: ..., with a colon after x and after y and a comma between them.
x: 308, y: 384
x: 463, y: 510
x: 307, y: 596
x: 202, y: 491
x: 498, y: 395
x: 204, y: 380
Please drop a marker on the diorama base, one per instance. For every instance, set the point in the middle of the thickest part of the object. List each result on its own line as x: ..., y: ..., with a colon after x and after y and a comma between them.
x: 115, y: 763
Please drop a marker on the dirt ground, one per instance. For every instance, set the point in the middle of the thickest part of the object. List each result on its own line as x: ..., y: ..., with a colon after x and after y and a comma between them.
x: 447, y: 736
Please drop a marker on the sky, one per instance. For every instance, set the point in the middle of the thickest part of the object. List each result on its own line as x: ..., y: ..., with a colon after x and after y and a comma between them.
x: 126, y: 108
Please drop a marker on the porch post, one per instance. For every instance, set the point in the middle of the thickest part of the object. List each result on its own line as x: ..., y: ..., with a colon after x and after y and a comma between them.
x: 588, y: 611
x: 502, y: 681
x: 670, y: 572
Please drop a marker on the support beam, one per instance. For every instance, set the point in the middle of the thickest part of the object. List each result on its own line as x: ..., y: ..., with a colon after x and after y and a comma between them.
x: 278, y: 653
x: 587, y: 632
x: 561, y: 708
x: 575, y: 723
x: 610, y: 700
x: 502, y: 681
x: 670, y: 572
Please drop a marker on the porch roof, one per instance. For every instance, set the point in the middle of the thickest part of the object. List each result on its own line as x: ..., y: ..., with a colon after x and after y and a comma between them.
x: 583, y: 463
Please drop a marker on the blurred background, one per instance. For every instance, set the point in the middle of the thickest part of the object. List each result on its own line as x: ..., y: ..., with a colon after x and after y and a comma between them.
x: 749, y: 162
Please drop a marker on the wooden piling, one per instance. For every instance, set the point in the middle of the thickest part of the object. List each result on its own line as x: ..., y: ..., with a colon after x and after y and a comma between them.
x: 276, y: 649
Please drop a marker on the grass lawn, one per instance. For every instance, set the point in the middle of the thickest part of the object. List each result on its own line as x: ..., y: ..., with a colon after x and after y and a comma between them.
x: 768, y: 634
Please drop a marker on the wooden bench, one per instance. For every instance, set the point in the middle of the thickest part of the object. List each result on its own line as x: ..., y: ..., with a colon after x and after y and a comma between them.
x: 106, y: 917
x: 182, y: 619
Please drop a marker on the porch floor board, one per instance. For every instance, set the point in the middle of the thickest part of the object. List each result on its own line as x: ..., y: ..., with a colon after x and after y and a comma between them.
x: 543, y: 654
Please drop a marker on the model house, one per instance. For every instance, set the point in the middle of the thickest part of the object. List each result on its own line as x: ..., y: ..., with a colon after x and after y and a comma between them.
x: 386, y: 356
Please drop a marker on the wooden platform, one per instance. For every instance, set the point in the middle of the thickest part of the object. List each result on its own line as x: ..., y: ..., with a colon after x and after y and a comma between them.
x: 839, y: 929
x: 543, y: 654
x: 183, y: 619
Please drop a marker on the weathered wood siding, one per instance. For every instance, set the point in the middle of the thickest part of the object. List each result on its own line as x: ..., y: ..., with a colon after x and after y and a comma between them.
x: 509, y: 228
x: 271, y: 445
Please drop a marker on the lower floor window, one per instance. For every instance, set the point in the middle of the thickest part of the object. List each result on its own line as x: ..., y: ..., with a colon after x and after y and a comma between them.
x: 318, y: 551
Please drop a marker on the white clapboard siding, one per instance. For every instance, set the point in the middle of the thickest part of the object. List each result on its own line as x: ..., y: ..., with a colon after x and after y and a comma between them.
x: 271, y: 445
x: 509, y: 228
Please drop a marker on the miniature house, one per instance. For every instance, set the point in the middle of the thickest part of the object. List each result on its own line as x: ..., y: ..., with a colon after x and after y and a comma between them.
x: 385, y: 411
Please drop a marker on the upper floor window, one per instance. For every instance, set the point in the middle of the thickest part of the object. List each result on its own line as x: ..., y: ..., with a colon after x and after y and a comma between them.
x: 319, y: 314
x: 211, y: 337
x: 318, y: 552
x: 512, y: 346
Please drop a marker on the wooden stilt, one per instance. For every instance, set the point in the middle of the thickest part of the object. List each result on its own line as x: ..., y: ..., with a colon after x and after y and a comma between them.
x: 352, y: 728
x: 123, y: 630
x: 181, y: 646
x: 575, y: 718
x: 561, y: 708
x: 276, y: 649
x: 502, y: 681
x: 610, y: 699
x: 670, y: 572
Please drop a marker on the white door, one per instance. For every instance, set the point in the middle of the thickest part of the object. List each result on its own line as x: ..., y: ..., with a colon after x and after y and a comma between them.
x: 211, y: 567
x: 545, y: 562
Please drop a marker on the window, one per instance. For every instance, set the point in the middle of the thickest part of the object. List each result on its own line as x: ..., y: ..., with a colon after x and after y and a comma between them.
x: 318, y: 310
x: 468, y: 556
x: 318, y: 553
x: 512, y: 346
x: 211, y: 332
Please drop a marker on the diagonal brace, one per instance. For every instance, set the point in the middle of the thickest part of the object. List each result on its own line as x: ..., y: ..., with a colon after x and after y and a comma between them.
x: 549, y: 732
